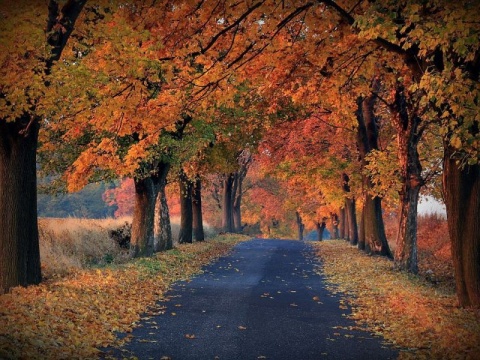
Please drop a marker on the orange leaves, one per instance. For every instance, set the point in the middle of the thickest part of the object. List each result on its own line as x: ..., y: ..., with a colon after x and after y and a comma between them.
x: 408, y: 312
x: 72, y: 317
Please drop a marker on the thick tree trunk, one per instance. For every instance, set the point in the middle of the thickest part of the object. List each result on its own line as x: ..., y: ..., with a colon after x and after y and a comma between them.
x: 143, y: 215
x: 367, y: 140
x: 19, y: 247
x: 300, y: 225
x: 186, y: 212
x: 408, y: 137
x: 335, y: 233
x: 462, y: 200
x: 198, y: 232
x: 162, y: 230
x: 227, y: 204
x: 342, y: 220
x: 320, y: 228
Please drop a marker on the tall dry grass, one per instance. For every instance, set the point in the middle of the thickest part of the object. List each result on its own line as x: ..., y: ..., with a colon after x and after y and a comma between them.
x: 71, y: 244
x: 434, y: 250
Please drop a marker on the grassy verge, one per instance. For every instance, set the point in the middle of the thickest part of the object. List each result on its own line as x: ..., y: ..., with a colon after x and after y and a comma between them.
x: 419, y: 317
x: 71, y: 317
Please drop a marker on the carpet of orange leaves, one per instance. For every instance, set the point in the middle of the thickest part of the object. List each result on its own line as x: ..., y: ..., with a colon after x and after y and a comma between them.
x: 418, y: 315
x: 71, y: 318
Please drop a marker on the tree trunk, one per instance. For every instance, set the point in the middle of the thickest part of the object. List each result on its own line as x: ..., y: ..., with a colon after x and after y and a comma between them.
x: 300, y: 225
x: 320, y: 228
x: 237, y: 202
x: 19, y: 247
x: 367, y: 140
x: 186, y: 211
x: 462, y: 200
x: 335, y: 233
x: 347, y: 223
x: 361, y: 233
x: 350, y: 211
x: 409, y: 134
x: 352, y: 220
x: 162, y: 230
x: 143, y: 215
x: 197, y: 211
x: 227, y: 205
x: 342, y: 223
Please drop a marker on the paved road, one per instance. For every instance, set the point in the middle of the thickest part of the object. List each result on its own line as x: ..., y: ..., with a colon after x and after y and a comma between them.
x: 264, y: 301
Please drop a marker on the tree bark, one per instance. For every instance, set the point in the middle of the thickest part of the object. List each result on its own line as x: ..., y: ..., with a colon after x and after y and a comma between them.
x: 409, y: 134
x: 19, y: 246
x: 143, y: 216
x: 361, y: 233
x: 350, y: 211
x: 198, y: 232
x: 162, y: 230
x: 237, y: 202
x: 227, y: 204
x: 347, y: 223
x: 352, y: 220
x: 186, y: 211
x: 367, y: 140
x: 462, y: 200
x: 320, y: 228
x: 335, y: 233
x: 300, y: 225
x: 342, y: 223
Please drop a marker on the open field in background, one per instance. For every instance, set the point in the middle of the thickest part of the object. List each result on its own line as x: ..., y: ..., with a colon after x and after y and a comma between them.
x: 71, y: 244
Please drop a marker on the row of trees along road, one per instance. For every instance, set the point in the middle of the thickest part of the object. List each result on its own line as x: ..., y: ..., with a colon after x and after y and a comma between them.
x: 118, y: 83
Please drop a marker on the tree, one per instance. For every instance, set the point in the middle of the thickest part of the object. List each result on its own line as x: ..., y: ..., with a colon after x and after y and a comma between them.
x: 186, y: 212
x: 446, y: 49
x: 350, y: 211
x: 162, y: 230
x: 300, y: 225
x: 198, y: 232
x: 372, y: 232
x: 20, y: 121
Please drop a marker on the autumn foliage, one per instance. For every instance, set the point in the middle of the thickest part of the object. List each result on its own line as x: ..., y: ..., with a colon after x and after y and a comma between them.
x: 73, y: 317
x: 414, y: 314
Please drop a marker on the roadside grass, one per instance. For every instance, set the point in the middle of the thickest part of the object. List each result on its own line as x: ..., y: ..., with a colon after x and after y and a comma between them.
x: 419, y: 316
x: 70, y: 317
x: 71, y: 244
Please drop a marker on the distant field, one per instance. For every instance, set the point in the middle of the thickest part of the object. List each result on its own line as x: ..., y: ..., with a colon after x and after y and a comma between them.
x: 70, y: 244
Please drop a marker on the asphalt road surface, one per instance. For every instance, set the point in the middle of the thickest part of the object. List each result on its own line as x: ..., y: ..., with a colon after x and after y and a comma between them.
x: 264, y: 301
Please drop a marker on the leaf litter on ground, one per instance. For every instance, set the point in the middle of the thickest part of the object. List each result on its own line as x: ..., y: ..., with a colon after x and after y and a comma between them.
x: 71, y: 318
x: 422, y: 320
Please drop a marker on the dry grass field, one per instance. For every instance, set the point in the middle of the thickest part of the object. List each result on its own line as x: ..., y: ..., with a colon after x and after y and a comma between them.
x: 71, y: 244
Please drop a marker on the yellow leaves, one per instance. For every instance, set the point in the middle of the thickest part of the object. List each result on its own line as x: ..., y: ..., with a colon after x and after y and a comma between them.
x: 399, y: 307
x: 71, y: 317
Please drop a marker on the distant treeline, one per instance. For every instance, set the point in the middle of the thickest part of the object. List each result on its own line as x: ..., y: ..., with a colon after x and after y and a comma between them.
x: 87, y: 203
